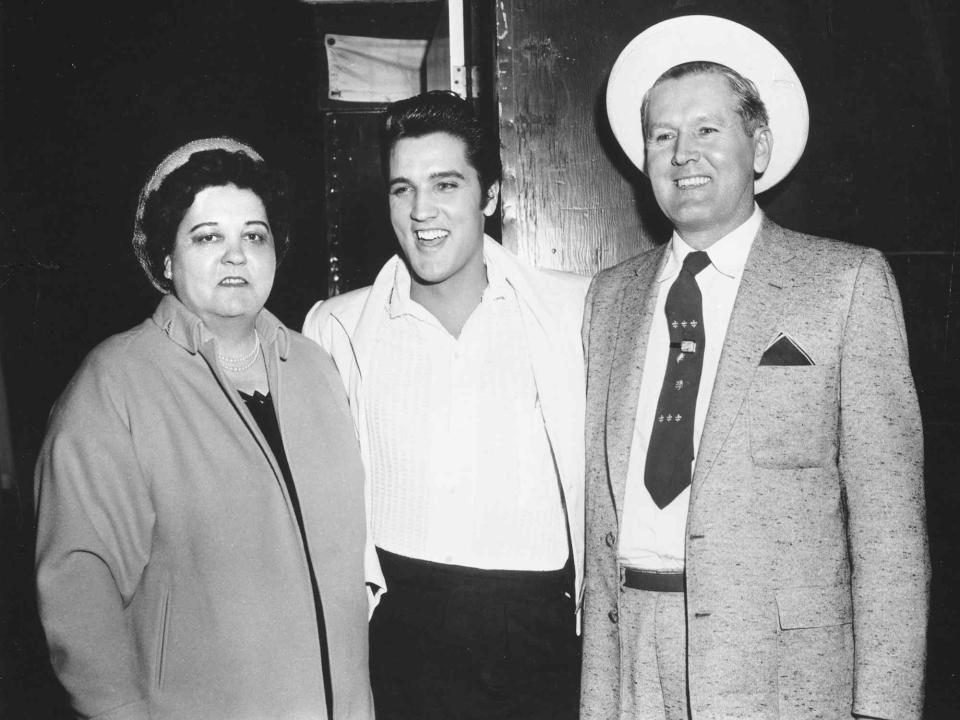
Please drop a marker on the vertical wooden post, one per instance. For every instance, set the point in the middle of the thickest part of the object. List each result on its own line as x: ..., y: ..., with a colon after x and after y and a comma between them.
x: 568, y: 196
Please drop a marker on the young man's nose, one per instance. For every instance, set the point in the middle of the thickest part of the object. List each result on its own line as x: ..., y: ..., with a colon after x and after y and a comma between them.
x: 423, y: 207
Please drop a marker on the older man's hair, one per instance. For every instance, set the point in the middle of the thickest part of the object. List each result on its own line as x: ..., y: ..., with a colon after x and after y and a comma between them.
x: 750, y: 108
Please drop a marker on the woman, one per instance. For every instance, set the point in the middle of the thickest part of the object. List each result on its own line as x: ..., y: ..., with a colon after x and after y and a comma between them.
x: 200, y: 530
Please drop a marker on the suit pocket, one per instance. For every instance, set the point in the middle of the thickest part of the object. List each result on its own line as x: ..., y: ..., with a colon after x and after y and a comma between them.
x: 812, y: 607
x: 814, y: 652
x: 793, y: 416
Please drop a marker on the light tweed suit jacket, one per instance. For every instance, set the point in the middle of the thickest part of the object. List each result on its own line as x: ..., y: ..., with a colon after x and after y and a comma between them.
x: 806, y: 550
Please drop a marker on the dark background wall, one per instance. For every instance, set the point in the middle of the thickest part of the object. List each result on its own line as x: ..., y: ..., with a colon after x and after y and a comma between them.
x: 93, y: 94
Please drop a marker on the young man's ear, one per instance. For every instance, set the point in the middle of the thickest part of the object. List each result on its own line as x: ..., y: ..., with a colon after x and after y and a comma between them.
x: 490, y: 204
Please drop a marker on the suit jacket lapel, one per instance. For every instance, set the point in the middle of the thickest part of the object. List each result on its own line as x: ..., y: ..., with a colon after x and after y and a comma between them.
x: 636, y: 313
x: 755, y: 318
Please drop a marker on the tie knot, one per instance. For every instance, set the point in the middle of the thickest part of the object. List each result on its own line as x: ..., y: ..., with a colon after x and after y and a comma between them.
x: 695, y: 262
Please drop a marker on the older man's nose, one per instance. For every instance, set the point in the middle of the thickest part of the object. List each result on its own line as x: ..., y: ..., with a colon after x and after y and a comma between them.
x: 685, y: 149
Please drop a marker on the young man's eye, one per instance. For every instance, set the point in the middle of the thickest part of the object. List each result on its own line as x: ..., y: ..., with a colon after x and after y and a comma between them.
x: 447, y: 185
x: 398, y: 190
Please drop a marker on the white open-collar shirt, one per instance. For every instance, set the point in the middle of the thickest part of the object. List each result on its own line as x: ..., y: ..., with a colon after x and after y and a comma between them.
x: 461, y: 470
x: 652, y: 538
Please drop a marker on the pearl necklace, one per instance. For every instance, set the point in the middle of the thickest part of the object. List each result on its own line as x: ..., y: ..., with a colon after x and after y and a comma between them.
x: 239, y: 364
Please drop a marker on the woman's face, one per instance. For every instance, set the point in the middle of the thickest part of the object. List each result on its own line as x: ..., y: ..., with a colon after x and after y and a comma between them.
x: 223, y: 258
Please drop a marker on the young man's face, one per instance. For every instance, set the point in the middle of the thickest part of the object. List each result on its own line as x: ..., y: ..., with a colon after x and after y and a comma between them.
x: 700, y: 161
x: 437, y: 207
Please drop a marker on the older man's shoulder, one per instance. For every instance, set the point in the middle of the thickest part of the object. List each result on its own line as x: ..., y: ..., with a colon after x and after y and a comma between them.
x: 628, y: 268
x: 824, y: 252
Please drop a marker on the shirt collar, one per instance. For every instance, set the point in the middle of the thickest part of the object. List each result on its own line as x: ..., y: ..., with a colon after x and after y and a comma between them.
x: 728, y: 254
x: 401, y: 304
x: 187, y: 329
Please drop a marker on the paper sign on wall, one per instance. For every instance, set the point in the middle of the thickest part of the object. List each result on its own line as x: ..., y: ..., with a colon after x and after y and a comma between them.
x: 367, y: 69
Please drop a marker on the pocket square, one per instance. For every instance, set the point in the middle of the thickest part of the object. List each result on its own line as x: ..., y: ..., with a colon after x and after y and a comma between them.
x: 784, y: 351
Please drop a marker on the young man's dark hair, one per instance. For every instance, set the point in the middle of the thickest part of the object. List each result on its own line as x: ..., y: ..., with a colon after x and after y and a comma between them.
x: 446, y: 112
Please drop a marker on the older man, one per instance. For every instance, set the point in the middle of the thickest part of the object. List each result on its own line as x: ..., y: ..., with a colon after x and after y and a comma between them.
x: 756, y: 543
x: 465, y: 373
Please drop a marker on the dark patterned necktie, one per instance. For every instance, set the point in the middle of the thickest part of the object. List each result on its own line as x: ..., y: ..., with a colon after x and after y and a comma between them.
x: 670, y: 452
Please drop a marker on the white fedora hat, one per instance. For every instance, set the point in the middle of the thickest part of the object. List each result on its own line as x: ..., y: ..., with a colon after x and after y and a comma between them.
x: 704, y: 37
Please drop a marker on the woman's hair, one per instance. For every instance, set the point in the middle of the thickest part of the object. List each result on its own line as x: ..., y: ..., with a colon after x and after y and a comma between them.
x: 165, y: 207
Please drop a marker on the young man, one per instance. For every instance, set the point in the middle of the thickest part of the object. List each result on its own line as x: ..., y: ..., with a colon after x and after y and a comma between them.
x: 465, y: 374
x: 756, y: 545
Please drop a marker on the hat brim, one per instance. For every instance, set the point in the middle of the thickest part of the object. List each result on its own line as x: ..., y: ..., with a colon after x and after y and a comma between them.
x: 704, y: 37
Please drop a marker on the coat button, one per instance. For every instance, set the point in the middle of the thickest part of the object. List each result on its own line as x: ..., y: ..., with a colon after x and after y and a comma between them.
x: 610, y: 539
x: 613, y: 616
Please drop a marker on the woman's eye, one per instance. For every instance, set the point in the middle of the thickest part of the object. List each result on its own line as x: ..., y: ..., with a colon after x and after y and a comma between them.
x: 256, y: 237
x: 206, y: 238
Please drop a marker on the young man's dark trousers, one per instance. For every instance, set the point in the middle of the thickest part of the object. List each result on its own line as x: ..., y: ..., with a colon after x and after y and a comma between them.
x: 450, y: 642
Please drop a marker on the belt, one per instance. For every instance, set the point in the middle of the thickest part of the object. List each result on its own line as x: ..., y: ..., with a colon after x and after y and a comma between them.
x: 656, y: 580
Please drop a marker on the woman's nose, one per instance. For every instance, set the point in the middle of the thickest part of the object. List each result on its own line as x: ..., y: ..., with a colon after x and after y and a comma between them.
x: 233, y: 251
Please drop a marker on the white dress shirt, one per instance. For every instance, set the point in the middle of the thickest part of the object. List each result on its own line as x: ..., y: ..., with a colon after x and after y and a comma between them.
x: 652, y: 538
x: 460, y: 469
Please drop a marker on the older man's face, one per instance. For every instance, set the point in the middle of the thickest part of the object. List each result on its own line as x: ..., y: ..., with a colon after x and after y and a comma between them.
x: 700, y: 162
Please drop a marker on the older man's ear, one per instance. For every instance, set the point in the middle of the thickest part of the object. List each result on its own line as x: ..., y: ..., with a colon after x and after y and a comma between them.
x: 762, y: 149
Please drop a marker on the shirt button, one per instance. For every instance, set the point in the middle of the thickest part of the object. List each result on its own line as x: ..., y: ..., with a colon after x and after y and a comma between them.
x: 610, y: 539
x: 614, y: 617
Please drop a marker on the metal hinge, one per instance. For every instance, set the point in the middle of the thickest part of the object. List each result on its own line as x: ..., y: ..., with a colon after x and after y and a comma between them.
x: 466, y: 81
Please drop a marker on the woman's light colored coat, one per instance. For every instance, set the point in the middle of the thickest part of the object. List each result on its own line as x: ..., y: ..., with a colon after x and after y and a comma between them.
x: 172, y: 578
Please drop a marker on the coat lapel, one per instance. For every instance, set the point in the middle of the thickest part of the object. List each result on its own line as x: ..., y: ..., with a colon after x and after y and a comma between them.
x: 636, y: 306
x: 755, y: 318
